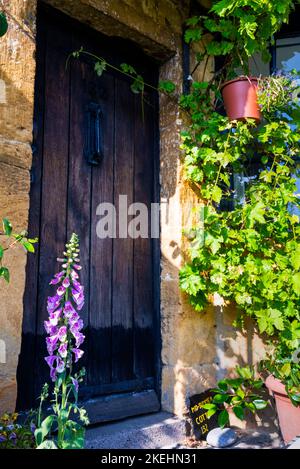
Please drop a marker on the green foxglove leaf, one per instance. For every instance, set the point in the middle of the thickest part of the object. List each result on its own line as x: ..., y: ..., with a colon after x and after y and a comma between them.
x: 47, y: 444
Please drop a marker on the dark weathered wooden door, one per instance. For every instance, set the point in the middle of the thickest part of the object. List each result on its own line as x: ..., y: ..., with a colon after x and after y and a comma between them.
x: 120, y: 275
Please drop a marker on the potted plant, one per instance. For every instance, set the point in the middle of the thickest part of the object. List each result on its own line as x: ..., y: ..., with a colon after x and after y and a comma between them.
x: 234, y: 32
x: 240, y: 394
x: 240, y: 98
x: 284, y: 384
x: 278, y: 93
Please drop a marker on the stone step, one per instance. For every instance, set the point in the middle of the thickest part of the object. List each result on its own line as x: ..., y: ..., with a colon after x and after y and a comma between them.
x: 155, y: 431
x: 295, y: 444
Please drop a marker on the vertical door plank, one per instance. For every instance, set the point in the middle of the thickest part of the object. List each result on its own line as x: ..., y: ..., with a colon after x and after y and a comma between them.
x: 101, y: 249
x: 79, y: 182
x: 54, y: 185
x: 143, y: 276
x: 122, y: 307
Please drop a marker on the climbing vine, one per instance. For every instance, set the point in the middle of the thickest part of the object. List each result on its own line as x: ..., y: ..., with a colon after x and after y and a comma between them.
x: 245, y: 175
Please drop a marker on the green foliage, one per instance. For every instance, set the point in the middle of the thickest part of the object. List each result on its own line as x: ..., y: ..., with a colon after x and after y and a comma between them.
x: 239, y: 394
x: 166, y: 86
x: 251, y: 254
x: 278, y: 92
x: 138, y: 83
x: 100, y: 67
x: 286, y: 366
x: 11, y: 239
x: 238, y: 29
x: 3, y: 24
x: 15, y: 435
x: 59, y: 429
x: 248, y: 252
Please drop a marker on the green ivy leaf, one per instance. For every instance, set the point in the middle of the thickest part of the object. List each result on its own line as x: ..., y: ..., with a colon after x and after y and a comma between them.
x: 100, y: 67
x: 4, y: 272
x: 296, y: 283
x: 167, y: 86
x: 28, y: 246
x: 216, y: 194
x: 7, y: 226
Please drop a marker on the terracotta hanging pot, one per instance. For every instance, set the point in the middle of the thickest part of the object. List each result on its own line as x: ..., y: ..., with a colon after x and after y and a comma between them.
x: 288, y: 414
x: 240, y: 98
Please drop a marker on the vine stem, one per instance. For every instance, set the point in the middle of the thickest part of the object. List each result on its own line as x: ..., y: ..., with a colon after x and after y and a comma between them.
x: 113, y: 67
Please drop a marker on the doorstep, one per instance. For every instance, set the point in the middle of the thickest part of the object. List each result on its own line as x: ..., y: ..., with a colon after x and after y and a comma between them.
x: 153, y: 431
x: 163, y: 430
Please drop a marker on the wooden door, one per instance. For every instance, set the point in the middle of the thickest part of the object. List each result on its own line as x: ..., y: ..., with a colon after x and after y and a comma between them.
x: 121, y: 275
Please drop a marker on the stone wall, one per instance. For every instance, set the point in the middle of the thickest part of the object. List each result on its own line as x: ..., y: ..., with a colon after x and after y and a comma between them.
x: 17, y: 70
x: 196, y: 348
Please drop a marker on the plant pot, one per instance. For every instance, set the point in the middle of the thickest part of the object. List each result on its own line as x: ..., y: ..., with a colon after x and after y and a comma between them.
x: 288, y: 414
x: 240, y: 98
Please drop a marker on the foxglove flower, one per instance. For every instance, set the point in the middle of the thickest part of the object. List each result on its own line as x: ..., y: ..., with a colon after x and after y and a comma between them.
x: 64, y: 324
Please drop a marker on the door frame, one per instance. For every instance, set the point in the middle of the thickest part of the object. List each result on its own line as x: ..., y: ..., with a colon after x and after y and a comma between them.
x: 25, y: 371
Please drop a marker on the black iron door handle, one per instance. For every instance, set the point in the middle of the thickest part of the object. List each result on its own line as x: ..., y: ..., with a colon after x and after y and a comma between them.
x: 93, y: 151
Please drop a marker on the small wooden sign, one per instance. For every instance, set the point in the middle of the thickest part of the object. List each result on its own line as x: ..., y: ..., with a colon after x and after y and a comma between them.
x: 202, y: 425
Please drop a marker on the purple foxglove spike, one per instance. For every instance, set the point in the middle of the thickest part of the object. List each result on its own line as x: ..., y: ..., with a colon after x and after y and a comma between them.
x: 50, y: 329
x: 50, y: 360
x: 69, y: 309
x: 75, y: 384
x: 66, y: 282
x: 54, y: 317
x: 63, y: 329
x: 54, y: 281
x: 74, y: 275
x: 76, y: 326
x: 51, y: 343
x: 78, y: 286
x: 62, y: 333
x: 60, y: 365
x: 80, y: 324
x: 78, y: 298
x: 61, y: 290
x: 79, y: 337
x: 63, y: 350
x: 52, y: 303
x: 78, y: 354
x: 53, y: 374
x: 57, y: 278
x: 73, y: 318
